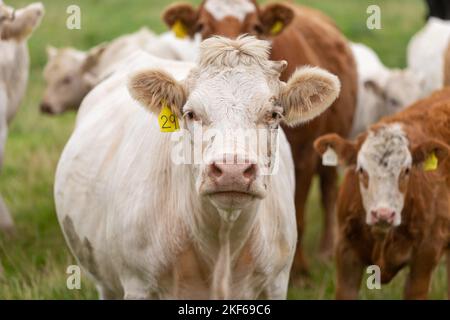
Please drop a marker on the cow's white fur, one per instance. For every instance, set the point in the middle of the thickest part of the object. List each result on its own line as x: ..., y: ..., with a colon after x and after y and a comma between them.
x: 384, y: 155
x: 400, y: 88
x: 221, y: 9
x: 116, y: 182
x: 14, y: 69
x: 426, y: 53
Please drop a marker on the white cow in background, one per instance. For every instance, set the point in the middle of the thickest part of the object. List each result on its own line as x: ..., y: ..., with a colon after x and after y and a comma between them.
x: 70, y: 74
x: 381, y: 91
x: 14, y: 69
x: 426, y: 53
x: 144, y: 227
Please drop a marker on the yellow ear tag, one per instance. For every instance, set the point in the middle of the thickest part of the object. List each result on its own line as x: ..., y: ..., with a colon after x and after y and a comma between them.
x: 180, y: 30
x: 168, y: 121
x: 431, y: 163
x: 277, y: 28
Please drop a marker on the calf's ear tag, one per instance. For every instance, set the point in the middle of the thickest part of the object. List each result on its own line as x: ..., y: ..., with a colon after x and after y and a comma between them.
x: 330, y: 158
x: 431, y: 162
x: 168, y: 121
x: 180, y: 30
x: 277, y: 28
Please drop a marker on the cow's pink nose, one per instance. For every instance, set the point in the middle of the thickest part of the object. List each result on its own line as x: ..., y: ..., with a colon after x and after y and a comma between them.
x: 232, y: 173
x: 383, y: 215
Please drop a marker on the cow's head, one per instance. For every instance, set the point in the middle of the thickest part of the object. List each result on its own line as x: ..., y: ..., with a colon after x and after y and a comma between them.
x: 6, y: 14
x: 399, y: 90
x: 236, y: 89
x: 23, y: 22
x: 384, y: 160
x: 229, y: 18
x: 69, y: 75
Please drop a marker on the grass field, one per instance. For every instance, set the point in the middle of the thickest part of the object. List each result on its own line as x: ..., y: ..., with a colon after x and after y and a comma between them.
x: 35, y: 261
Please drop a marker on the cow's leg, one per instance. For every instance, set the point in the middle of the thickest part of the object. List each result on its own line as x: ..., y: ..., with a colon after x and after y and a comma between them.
x: 328, y: 189
x: 421, y: 270
x: 6, y: 221
x: 349, y: 271
x: 303, y: 180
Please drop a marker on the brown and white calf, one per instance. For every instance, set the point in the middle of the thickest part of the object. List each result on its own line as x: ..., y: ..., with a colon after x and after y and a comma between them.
x: 14, y: 69
x: 394, y: 203
x: 144, y: 225
x: 301, y: 36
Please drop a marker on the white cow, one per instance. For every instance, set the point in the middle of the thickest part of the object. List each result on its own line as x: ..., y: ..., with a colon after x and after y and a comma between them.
x: 381, y: 91
x: 70, y: 74
x: 145, y: 227
x: 426, y: 53
x: 14, y: 69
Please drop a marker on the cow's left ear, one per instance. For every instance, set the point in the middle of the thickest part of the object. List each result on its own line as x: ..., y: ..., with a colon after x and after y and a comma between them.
x: 182, y: 19
x: 275, y: 18
x: 308, y: 93
x: 430, y: 154
x: 153, y: 88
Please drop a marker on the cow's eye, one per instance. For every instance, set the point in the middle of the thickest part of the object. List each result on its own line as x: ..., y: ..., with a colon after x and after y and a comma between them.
x: 190, y: 115
x: 258, y: 29
x: 67, y: 80
x: 407, y: 170
x: 394, y: 102
x: 276, y: 115
x: 361, y: 170
x: 200, y: 27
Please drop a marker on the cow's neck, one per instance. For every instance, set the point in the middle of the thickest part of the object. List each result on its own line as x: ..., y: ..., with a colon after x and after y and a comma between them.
x: 220, y: 238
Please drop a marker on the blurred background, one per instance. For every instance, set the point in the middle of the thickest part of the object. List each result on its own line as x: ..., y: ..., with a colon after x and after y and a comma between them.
x: 35, y: 261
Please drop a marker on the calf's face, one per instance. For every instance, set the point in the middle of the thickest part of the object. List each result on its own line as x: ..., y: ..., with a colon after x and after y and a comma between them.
x: 229, y: 18
x: 236, y: 101
x: 69, y: 77
x: 384, y: 160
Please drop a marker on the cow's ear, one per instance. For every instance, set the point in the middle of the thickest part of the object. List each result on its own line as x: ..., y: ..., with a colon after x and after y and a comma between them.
x: 153, y: 88
x: 430, y: 155
x: 93, y: 57
x: 275, y: 18
x: 182, y: 19
x: 308, y: 93
x: 345, y: 150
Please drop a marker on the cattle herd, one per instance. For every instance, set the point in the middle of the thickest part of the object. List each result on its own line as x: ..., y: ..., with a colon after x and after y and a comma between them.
x: 231, y: 225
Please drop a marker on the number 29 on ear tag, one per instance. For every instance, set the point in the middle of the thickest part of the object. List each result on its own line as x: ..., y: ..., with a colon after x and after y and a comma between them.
x: 168, y: 121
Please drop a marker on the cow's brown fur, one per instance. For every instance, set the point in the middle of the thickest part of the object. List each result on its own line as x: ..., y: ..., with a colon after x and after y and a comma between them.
x: 308, y: 38
x: 423, y: 237
x: 447, y: 66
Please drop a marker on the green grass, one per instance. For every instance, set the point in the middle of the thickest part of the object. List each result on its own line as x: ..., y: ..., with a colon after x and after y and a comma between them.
x: 36, y: 260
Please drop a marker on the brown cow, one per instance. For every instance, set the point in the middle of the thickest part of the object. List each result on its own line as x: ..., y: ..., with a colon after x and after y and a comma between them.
x: 394, y: 204
x: 302, y: 36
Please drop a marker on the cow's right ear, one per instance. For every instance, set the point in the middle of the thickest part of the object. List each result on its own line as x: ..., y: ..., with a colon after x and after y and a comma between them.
x: 152, y: 88
x: 182, y: 19
x: 345, y: 150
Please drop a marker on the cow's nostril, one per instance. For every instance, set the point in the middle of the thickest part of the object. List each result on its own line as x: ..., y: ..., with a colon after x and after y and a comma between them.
x: 215, y: 170
x: 250, y: 172
x: 45, y: 107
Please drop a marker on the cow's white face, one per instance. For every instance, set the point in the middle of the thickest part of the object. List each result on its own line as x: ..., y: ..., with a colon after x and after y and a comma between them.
x: 237, y: 100
x: 69, y: 76
x: 239, y: 115
x: 384, y: 162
